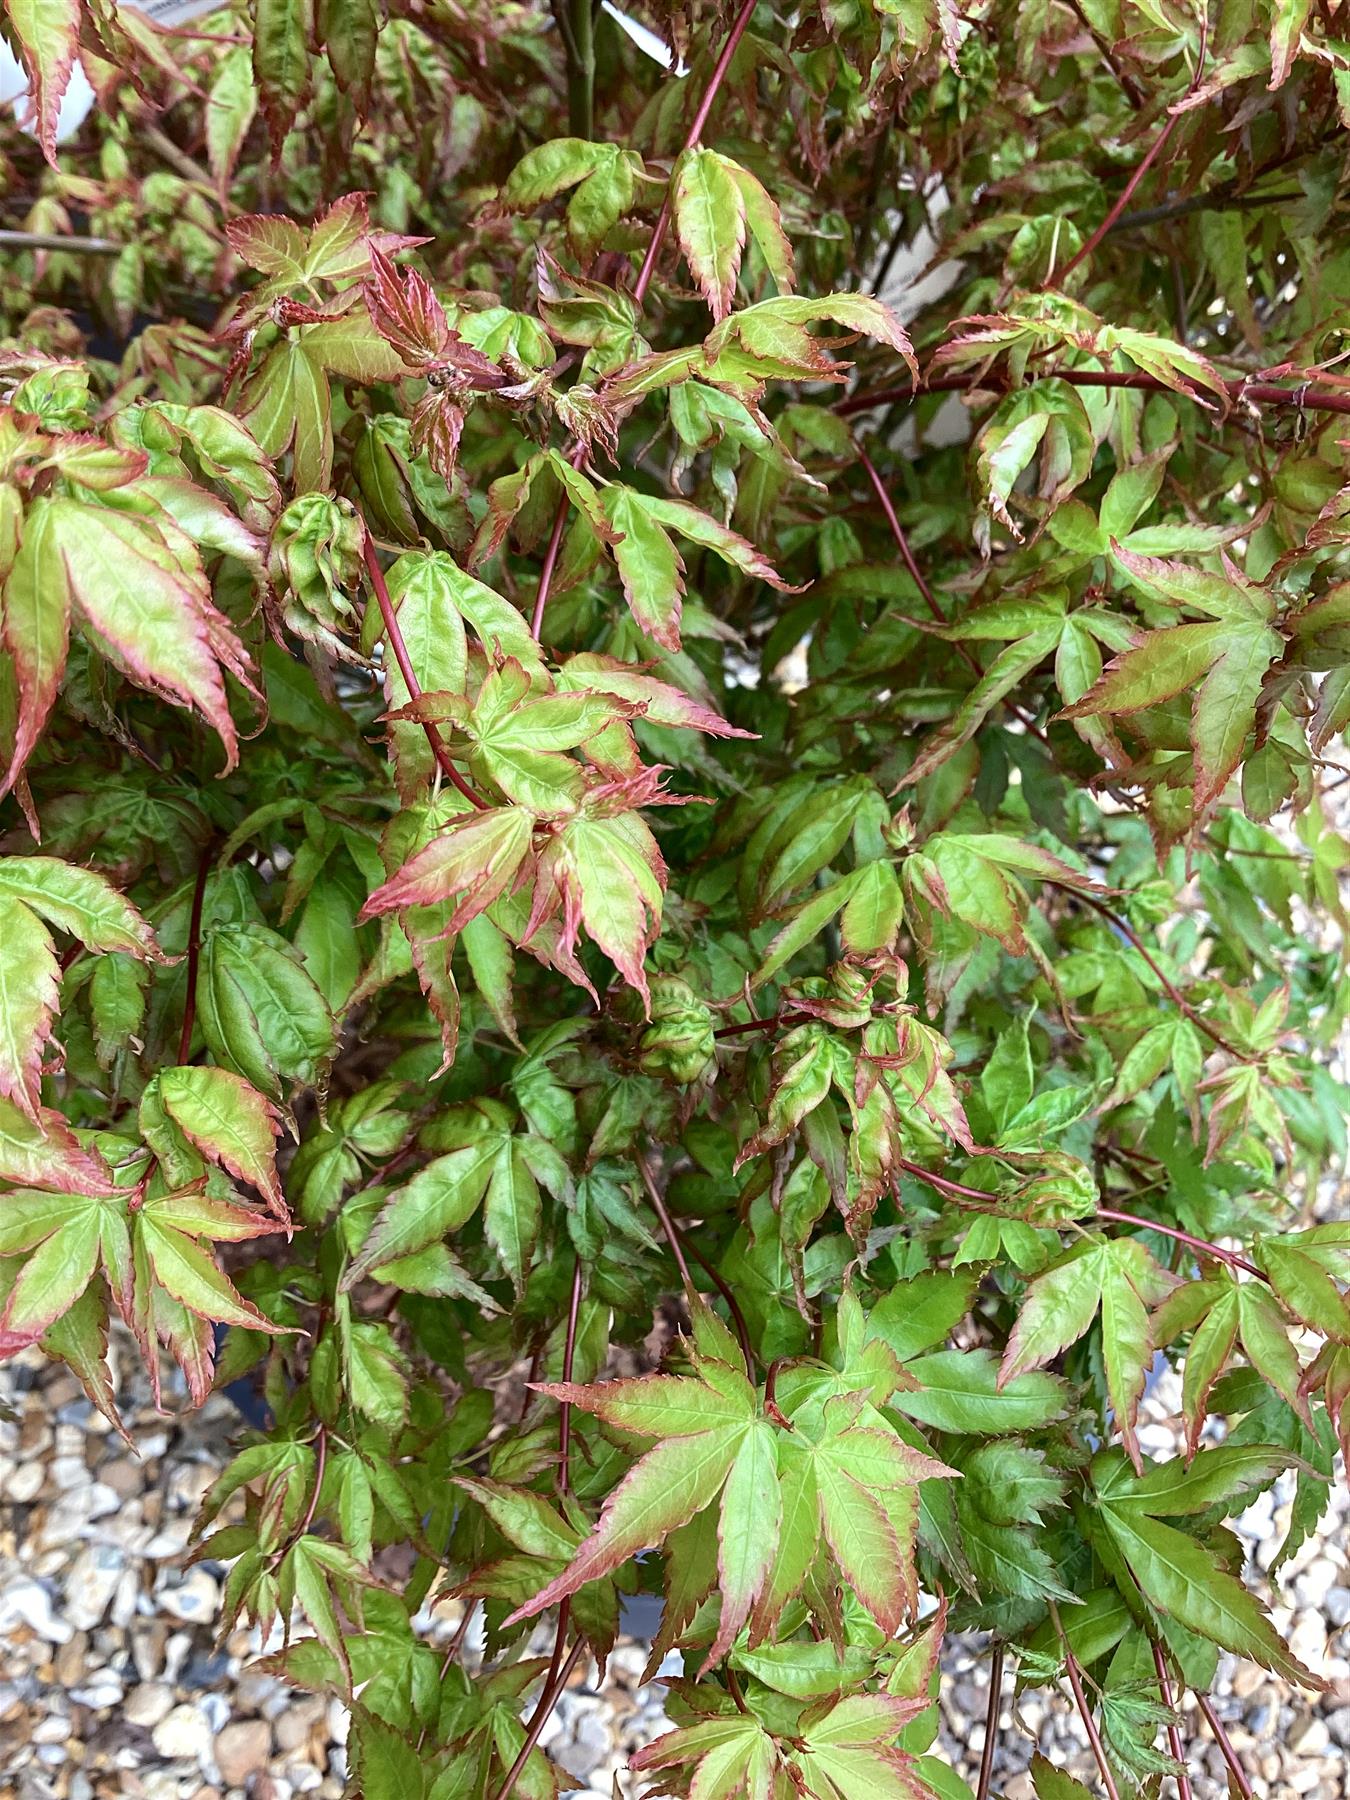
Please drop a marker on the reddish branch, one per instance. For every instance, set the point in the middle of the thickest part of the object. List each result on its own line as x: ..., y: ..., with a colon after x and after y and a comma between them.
x: 1173, y: 992
x: 678, y: 1247
x: 1145, y: 164
x: 1201, y: 1246
x: 1304, y: 397
x: 194, y: 951
x: 982, y: 1201
x: 547, y: 1701
x: 556, y: 1678
x: 991, y: 1722
x: 394, y: 637
x: 715, y: 81
x: 1174, y: 1743
x: 1084, y: 1710
x: 1230, y: 1756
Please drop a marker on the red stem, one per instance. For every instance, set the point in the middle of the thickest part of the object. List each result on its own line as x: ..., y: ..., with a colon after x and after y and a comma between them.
x: 1173, y: 993
x: 321, y: 1454
x: 1304, y: 397
x: 1230, y: 1755
x: 565, y: 1410
x: 1084, y: 1710
x: 547, y: 1701
x: 550, y: 564
x: 1202, y: 1246
x: 194, y: 951
x: 991, y: 1723
x: 677, y: 1250
x: 380, y: 588
x: 715, y: 81
x: 1174, y: 1743
x: 1145, y: 164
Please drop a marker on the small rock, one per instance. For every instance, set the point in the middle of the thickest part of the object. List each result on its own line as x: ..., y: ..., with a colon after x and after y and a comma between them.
x: 27, y: 1602
x: 91, y: 1583
x: 240, y: 1749
x: 1309, y: 1737
x: 1336, y: 1606
x: 195, y: 1600
x: 147, y: 1704
x: 293, y: 1727
x: 25, y: 1483
x: 184, y: 1732
x: 51, y: 1730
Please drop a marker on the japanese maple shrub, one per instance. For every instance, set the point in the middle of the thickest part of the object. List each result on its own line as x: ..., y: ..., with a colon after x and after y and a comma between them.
x: 710, y: 925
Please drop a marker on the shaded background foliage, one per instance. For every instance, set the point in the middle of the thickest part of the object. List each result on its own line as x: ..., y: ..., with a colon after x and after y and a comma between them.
x: 587, y: 778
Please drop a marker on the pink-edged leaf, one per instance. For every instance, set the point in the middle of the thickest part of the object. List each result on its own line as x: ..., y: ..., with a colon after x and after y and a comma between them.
x: 650, y: 567
x: 747, y: 1534
x: 671, y: 1483
x: 55, y: 1275
x: 610, y: 876
x: 474, y: 861
x: 43, y: 1152
x: 35, y: 624
x: 230, y: 1122
x: 406, y: 312
x: 30, y: 996
x: 149, y: 614
x: 665, y: 1406
x: 192, y: 1277
x: 709, y: 209
x: 864, y: 1544
x: 655, y: 700
x: 79, y: 901
x: 48, y: 33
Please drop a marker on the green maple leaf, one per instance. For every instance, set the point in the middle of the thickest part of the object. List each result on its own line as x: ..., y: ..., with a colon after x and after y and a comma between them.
x: 1120, y: 1280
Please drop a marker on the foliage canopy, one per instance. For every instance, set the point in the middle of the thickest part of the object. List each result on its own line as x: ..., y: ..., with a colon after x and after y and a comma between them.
x: 709, y: 923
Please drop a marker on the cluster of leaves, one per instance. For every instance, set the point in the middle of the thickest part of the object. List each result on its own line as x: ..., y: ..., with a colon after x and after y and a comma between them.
x: 709, y: 926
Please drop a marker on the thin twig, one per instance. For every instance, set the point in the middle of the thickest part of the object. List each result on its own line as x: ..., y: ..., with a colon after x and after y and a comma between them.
x: 1229, y: 1754
x: 194, y: 951
x: 1174, y: 1743
x: 1128, y: 86
x: 56, y: 240
x: 677, y: 1249
x: 1145, y: 164
x: 1084, y: 1710
x: 1303, y: 397
x: 321, y: 1454
x: 715, y: 81
x: 163, y: 145
x: 930, y: 599
x: 565, y: 1410
x: 991, y: 1723
x: 380, y: 587
x: 549, y: 565
x: 1201, y: 1246
x: 552, y: 1694
x: 1173, y: 992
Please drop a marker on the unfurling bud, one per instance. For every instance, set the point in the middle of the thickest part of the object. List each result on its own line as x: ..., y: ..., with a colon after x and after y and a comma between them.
x: 679, y: 1040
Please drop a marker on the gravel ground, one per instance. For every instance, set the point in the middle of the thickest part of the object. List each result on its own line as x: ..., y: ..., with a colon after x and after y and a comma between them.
x: 112, y: 1682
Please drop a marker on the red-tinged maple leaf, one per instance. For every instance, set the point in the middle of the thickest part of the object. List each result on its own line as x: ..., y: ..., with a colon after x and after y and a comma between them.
x: 473, y: 861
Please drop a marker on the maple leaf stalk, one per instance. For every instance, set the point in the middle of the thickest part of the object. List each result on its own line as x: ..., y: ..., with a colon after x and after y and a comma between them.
x: 1084, y: 1710
x: 554, y: 1683
x: 1304, y: 396
x: 1226, y: 1750
x: 678, y: 1247
x: 1174, y: 1744
x: 1142, y: 168
x: 991, y: 1723
x: 194, y: 952
x: 380, y: 587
